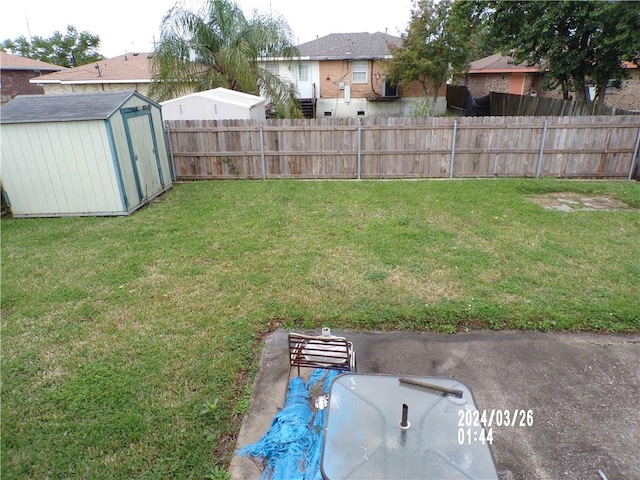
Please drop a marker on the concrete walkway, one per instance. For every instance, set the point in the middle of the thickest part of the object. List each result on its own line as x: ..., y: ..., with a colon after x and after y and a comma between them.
x: 583, y: 391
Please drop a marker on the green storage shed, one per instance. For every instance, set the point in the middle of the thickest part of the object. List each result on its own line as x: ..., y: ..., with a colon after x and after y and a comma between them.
x: 82, y: 154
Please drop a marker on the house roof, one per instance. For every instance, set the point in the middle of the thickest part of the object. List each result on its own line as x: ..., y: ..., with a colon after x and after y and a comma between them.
x: 127, y: 68
x: 62, y: 108
x: 220, y: 94
x: 497, y: 63
x: 354, y: 46
x: 16, y: 62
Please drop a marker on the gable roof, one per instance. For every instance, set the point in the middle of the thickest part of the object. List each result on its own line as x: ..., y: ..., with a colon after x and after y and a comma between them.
x: 127, y: 68
x: 221, y: 94
x: 497, y: 63
x: 16, y: 62
x: 62, y: 108
x: 353, y: 46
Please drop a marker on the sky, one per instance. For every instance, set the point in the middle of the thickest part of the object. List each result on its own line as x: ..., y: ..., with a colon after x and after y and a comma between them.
x: 127, y: 26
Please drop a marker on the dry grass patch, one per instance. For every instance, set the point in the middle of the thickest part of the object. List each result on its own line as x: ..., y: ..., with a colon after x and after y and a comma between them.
x: 575, y: 202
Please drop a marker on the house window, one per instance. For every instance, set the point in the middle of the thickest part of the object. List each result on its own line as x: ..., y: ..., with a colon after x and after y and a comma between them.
x: 272, y: 68
x: 389, y: 90
x: 613, y: 86
x: 359, y: 71
x: 303, y: 72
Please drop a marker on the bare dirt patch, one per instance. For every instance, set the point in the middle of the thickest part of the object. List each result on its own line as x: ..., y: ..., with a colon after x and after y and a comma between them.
x: 576, y: 202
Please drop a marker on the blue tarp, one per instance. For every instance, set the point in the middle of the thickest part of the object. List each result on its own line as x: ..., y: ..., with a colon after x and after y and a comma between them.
x: 291, y: 448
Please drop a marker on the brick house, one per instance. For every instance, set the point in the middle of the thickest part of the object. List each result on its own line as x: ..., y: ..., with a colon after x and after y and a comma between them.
x: 131, y: 71
x: 497, y: 73
x: 16, y: 73
x: 342, y: 75
x: 628, y: 95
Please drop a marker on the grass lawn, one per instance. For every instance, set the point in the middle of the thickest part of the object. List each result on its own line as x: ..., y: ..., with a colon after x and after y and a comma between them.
x: 129, y: 344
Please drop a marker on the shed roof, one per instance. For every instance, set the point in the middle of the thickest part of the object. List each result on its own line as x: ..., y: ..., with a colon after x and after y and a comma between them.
x: 339, y: 46
x: 232, y: 97
x: 16, y: 62
x: 62, y: 108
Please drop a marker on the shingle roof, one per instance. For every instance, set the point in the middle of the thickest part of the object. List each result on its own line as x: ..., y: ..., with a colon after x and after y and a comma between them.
x: 497, y: 63
x: 127, y: 68
x: 339, y: 46
x: 62, y: 108
x: 16, y: 62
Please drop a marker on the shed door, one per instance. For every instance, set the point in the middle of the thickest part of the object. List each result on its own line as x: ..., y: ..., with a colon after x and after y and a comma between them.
x: 143, y: 150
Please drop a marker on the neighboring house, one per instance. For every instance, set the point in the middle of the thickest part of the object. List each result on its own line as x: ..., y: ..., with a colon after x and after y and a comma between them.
x: 342, y: 75
x: 628, y: 95
x: 15, y: 73
x: 217, y: 104
x: 131, y: 71
x: 497, y: 73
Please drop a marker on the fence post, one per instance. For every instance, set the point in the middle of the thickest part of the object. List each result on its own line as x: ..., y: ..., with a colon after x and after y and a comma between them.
x: 544, y: 137
x: 167, y: 131
x: 453, y: 148
x: 359, y: 148
x: 634, y: 157
x: 263, y: 164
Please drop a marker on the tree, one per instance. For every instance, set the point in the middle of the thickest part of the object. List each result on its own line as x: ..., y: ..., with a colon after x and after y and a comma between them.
x: 432, y: 48
x: 69, y: 50
x: 578, y: 43
x: 220, y: 47
x: 472, y: 22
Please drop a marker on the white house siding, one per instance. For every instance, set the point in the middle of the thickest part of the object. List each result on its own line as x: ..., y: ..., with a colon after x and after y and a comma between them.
x: 287, y: 71
x: 65, y: 168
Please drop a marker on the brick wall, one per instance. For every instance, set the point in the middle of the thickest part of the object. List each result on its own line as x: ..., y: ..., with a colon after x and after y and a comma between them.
x: 335, y: 72
x: 16, y: 82
x: 627, y: 97
x: 332, y: 72
x: 481, y: 85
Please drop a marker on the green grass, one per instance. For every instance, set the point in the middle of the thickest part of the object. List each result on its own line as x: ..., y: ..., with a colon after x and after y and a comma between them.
x: 129, y: 344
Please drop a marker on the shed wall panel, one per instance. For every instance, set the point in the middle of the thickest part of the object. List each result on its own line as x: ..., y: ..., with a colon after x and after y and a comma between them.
x: 203, y: 108
x: 59, y: 168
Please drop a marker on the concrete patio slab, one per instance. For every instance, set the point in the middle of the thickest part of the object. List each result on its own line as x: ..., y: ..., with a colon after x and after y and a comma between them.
x: 582, y: 389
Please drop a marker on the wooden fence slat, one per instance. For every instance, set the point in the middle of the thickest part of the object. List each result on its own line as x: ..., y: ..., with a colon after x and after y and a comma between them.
x: 580, y: 147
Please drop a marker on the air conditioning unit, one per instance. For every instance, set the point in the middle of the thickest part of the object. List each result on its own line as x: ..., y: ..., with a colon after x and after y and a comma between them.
x: 389, y: 90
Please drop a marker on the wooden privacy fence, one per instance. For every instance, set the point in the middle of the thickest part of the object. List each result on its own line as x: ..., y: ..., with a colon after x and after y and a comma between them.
x: 506, y: 104
x: 433, y: 147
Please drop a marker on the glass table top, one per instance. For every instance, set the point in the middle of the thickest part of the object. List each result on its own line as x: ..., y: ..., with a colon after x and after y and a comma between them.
x: 365, y: 436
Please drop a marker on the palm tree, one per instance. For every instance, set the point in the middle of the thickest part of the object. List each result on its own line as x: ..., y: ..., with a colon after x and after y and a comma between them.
x: 220, y: 47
